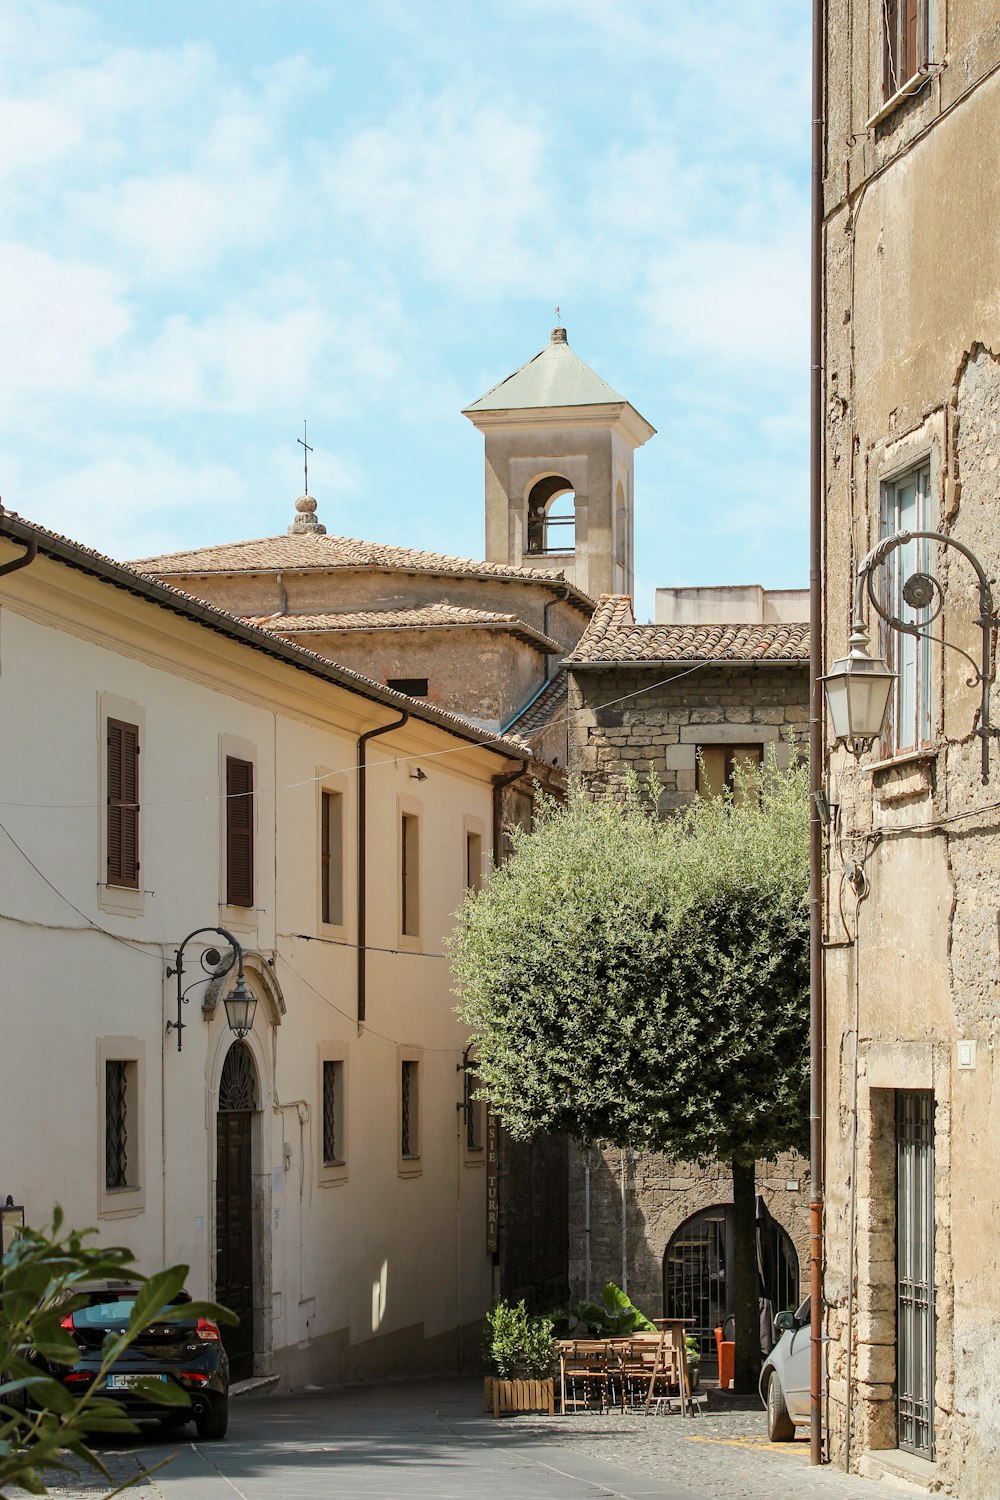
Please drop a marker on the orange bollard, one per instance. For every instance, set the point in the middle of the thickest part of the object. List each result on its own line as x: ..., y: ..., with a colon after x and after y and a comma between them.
x: 727, y: 1360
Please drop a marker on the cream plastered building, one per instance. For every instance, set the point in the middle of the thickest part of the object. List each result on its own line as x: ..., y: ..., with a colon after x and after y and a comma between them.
x: 912, y: 442
x: 167, y: 768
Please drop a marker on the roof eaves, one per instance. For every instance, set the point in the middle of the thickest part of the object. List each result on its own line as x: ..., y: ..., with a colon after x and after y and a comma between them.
x: 142, y: 585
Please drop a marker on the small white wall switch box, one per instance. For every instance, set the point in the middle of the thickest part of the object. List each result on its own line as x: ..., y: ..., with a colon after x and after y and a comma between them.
x: 966, y: 1054
x: 791, y: 1187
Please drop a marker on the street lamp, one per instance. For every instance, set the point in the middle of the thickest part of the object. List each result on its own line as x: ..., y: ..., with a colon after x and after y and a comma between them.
x: 240, y: 1003
x: 854, y: 685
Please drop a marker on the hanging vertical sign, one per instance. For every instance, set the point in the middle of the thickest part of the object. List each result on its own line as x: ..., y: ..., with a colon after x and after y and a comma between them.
x: 492, y: 1185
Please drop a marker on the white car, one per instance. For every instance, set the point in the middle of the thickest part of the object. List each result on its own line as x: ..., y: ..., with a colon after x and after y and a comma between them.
x: 784, y: 1378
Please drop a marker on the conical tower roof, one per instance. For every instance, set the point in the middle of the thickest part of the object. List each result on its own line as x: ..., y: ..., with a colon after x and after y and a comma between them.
x: 554, y: 377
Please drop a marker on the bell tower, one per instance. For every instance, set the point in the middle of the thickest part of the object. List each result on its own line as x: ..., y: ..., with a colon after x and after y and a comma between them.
x: 560, y: 463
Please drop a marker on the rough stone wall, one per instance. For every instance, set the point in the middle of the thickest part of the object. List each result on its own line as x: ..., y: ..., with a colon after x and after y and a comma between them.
x: 661, y: 1195
x: 534, y: 1233
x: 912, y: 377
x: 626, y: 717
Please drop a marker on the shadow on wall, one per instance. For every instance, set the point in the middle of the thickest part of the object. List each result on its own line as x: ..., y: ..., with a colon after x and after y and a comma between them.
x: 534, y: 1222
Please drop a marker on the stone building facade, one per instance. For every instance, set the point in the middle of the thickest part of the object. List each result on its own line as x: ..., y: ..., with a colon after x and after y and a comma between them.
x: 911, y: 362
x: 722, y: 676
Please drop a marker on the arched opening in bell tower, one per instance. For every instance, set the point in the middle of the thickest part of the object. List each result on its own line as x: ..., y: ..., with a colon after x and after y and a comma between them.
x: 551, y: 516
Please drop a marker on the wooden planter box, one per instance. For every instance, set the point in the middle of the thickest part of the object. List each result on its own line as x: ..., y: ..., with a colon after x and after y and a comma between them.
x: 505, y: 1397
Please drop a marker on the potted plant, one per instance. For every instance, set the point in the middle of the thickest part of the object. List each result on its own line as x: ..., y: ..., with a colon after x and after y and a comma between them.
x: 693, y: 1351
x: 520, y: 1353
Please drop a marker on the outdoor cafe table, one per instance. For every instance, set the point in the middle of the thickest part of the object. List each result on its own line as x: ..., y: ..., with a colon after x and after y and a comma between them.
x: 672, y: 1331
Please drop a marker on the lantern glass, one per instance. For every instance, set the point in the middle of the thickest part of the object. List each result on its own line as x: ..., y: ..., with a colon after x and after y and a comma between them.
x: 857, y: 693
x: 240, y: 1004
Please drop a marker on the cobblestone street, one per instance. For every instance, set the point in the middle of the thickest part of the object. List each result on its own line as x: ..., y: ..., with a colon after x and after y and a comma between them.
x: 430, y: 1441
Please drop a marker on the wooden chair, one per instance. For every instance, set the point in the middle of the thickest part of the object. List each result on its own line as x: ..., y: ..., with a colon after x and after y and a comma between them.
x: 651, y: 1370
x: 583, y: 1374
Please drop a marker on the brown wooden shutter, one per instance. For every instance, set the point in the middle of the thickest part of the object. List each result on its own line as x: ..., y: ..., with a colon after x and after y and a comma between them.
x: 239, y: 832
x: 123, y: 803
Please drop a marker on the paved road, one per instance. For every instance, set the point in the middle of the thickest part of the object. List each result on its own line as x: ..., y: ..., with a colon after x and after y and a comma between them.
x: 430, y: 1441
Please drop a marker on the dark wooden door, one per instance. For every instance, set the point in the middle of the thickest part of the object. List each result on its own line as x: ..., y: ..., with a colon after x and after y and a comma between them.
x: 234, y: 1221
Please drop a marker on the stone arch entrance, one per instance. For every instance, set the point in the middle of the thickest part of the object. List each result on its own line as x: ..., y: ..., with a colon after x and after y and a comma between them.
x: 698, y: 1270
x: 236, y: 1251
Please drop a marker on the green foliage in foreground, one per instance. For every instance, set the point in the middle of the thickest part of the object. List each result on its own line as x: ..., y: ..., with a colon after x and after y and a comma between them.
x: 40, y: 1276
x: 644, y: 981
x: 516, y: 1346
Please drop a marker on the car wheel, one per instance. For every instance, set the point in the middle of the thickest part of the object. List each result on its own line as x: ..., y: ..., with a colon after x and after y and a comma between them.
x: 213, y: 1423
x: 780, y: 1427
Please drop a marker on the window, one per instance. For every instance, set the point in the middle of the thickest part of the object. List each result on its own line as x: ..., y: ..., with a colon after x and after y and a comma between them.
x: 473, y: 861
x: 551, y: 516
x: 409, y: 1109
x: 121, y: 1125
x: 904, y: 42
x: 333, y: 1112
x: 123, y: 803
x: 239, y: 832
x: 409, y: 842
x: 331, y: 858
x: 717, y: 766
x: 906, y: 507
x: 413, y: 687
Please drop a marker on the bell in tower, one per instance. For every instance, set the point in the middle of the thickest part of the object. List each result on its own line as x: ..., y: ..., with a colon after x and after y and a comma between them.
x: 560, y: 463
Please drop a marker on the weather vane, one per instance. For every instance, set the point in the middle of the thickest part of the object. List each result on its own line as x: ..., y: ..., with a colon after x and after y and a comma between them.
x: 558, y: 313
x: 306, y: 450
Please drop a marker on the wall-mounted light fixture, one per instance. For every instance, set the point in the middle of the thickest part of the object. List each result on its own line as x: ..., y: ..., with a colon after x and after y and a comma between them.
x: 417, y: 773
x: 240, y: 1003
x: 858, y: 686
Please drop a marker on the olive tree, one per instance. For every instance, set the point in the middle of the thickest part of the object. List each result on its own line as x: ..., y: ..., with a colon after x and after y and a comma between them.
x: 644, y: 981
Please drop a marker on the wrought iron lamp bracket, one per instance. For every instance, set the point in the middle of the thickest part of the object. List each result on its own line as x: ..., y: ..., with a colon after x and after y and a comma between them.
x: 923, y: 591
x: 214, y: 963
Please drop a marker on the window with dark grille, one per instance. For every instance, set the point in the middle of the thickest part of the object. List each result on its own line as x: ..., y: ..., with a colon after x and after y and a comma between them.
x: 413, y: 687
x: 904, y: 42
x: 239, y: 832
x: 718, y: 768
x: 409, y: 1143
x: 332, y: 858
x: 123, y: 803
x: 410, y: 875
x: 116, y: 1124
x: 333, y: 1112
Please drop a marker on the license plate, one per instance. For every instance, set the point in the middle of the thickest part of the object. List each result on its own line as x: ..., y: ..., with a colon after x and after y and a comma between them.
x: 126, y: 1382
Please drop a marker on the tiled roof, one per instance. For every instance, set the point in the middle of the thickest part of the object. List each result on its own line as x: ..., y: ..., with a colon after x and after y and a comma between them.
x: 613, y: 636
x: 427, y: 617
x: 548, y: 705
x: 556, y: 376
x: 328, y: 553
x: 127, y: 576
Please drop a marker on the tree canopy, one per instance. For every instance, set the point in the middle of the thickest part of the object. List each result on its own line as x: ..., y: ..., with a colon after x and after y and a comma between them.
x: 644, y: 981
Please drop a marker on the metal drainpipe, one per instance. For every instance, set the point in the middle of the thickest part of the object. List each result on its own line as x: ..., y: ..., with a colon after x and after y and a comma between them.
x: 586, y: 1221
x: 558, y: 598
x: 623, y: 1168
x: 29, y: 556
x: 816, y: 1005
x: 499, y: 782
x: 363, y: 739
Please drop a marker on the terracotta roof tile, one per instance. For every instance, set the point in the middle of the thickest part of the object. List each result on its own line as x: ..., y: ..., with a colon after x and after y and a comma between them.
x: 427, y: 617
x: 613, y: 636
x: 551, y: 703
x: 326, y: 553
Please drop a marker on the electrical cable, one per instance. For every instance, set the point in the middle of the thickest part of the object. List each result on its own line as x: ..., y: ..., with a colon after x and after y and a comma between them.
x: 351, y: 770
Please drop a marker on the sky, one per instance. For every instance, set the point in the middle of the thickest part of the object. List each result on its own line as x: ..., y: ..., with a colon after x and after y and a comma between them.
x: 220, y: 219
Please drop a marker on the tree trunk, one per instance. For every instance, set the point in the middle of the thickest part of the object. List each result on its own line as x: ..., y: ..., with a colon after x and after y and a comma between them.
x: 746, y: 1285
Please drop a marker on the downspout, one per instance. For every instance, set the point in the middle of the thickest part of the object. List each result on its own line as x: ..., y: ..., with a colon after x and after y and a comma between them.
x: 499, y: 782
x: 816, y: 1005
x: 29, y: 556
x: 557, y: 598
x: 623, y: 1166
x: 363, y: 739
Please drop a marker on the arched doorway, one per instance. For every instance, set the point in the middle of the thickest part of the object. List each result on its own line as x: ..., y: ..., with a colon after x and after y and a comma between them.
x: 234, y: 1209
x: 551, y: 515
x: 698, y: 1270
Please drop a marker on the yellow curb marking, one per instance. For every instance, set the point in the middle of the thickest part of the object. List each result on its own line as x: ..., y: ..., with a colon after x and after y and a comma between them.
x: 787, y: 1451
